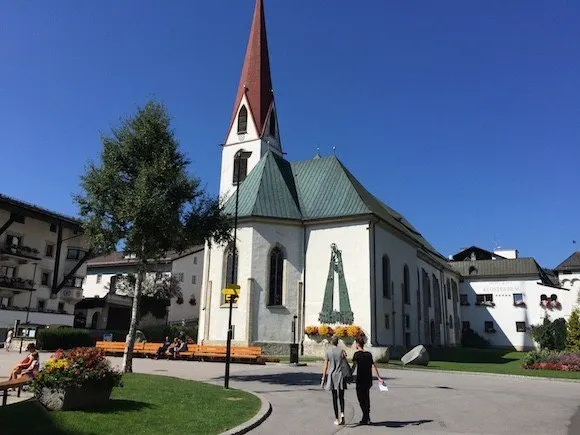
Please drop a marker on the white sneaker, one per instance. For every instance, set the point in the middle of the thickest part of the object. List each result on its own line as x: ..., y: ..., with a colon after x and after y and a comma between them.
x: 336, y: 423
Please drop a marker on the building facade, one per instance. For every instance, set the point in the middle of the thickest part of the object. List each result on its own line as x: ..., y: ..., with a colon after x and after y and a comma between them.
x: 42, y: 265
x: 108, y: 307
x: 502, y: 296
x: 314, y: 246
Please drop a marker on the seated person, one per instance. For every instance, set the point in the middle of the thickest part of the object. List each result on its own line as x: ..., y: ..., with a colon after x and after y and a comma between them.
x: 170, y: 350
x: 29, y: 366
x: 180, y: 347
x: 163, y: 348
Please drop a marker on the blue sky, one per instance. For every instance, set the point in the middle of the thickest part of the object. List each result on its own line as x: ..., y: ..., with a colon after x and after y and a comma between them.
x: 463, y: 116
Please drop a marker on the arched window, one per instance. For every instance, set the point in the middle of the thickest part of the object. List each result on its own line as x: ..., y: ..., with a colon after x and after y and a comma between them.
x: 95, y: 320
x: 231, y: 276
x: 243, y: 120
x: 386, y: 277
x: 448, y: 289
x: 450, y: 321
x: 406, y: 285
x: 273, y: 124
x: 276, y: 275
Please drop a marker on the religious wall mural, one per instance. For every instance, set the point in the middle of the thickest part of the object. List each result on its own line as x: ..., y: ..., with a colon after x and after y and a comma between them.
x: 328, y: 313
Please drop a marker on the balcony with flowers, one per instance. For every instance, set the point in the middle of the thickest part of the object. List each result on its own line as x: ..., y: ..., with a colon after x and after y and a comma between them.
x: 14, y: 250
x: 9, y: 286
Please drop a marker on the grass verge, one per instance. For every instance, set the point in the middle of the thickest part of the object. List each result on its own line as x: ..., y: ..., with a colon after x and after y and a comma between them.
x: 482, y: 361
x: 145, y: 405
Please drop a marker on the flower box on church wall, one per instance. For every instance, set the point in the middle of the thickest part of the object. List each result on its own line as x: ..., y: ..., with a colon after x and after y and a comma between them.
x: 346, y: 333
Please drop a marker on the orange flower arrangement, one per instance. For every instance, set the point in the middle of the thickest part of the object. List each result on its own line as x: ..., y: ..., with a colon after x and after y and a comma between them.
x: 311, y: 330
x: 353, y: 331
x: 341, y: 331
x: 325, y: 330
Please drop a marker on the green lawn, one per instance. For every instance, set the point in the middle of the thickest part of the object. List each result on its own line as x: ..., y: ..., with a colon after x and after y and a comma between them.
x: 145, y: 405
x: 482, y: 360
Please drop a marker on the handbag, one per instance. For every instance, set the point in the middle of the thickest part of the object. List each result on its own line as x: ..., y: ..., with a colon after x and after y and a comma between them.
x: 345, y: 369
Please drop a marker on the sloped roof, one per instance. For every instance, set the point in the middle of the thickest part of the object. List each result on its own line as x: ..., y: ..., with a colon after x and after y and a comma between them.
x: 268, y: 191
x: 481, y: 254
x: 39, y: 211
x: 570, y: 263
x: 320, y: 188
x: 505, y: 268
x: 117, y: 258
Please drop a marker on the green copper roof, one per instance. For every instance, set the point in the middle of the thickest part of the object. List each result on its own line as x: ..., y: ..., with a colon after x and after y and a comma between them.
x: 320, y: 188
x: 268, y: 191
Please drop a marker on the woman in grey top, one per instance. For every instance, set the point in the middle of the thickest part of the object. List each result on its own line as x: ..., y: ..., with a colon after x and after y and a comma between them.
x: 333, y: 378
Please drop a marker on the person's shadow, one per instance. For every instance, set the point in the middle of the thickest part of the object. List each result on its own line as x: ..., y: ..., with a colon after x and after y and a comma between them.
x: 399, y: 424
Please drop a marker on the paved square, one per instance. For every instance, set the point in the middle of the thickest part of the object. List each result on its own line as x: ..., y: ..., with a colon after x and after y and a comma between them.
x: 420, y: 402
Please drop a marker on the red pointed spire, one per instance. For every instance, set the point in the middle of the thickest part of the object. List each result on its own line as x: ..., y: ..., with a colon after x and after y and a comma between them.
x: 255, y: 80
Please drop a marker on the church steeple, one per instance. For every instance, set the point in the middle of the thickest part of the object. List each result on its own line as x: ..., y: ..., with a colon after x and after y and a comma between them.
x: 255, y: 97
x: 253, y: 127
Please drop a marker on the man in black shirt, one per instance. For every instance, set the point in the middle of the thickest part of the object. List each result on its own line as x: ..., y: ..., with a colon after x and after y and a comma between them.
x: 363, y: 363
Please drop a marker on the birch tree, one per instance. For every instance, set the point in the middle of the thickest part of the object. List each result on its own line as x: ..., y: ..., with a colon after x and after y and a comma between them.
x: 140, y: 196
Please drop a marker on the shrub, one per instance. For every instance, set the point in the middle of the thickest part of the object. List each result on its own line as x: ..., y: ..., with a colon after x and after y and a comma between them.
x: 550, y: 335
x: 573, y: 333
x: 63, y: 338
x: 470, y: 338
x: 158, y: 333
x: 538, y: 356
x: 75, y: 368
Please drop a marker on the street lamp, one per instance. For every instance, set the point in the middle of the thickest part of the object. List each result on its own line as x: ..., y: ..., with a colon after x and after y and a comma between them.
x: 238, y: 162
x: 29, y: 302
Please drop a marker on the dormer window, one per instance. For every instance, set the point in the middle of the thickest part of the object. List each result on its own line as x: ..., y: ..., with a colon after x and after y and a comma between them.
x: 273, y: 124
x: 243, y: 120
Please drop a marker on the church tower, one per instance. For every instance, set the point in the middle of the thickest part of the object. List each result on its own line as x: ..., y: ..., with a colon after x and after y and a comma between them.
x: 253, y: 128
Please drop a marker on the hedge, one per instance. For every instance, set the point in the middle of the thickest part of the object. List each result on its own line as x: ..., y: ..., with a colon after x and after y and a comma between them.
x: 63, y: 338
x: 158, y: 333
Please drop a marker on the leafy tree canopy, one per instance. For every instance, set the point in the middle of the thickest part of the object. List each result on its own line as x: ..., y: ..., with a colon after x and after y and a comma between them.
x: 142, y: 195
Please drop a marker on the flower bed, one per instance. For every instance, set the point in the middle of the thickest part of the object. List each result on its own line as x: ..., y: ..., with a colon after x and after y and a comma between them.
x: 550, y: 360
x: 345, y: 332
x: 81, y: 378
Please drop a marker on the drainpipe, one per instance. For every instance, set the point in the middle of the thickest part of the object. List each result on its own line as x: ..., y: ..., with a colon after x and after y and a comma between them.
x: 373, y: 253
x: 57, y: 258
x: 303, y: 302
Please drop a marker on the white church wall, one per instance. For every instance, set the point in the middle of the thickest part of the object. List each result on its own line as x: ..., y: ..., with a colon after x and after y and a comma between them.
x: 216, y: 325
x: 352, y: 239
x: 504, y: 314
x: 391, y: 331
x: 270, y: 323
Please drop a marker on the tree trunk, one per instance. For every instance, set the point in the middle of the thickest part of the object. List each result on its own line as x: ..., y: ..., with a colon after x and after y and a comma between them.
x: 128, y: 355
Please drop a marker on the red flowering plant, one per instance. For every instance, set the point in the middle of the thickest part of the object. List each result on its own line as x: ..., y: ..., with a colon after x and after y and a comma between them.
x: 76, y: 368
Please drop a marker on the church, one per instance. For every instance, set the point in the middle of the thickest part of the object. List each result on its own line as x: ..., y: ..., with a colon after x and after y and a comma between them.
x: 314, y: 247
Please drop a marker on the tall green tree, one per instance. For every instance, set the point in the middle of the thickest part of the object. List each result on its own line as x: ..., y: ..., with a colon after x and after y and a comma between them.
x: 573, y: 337
x: 140, y: 195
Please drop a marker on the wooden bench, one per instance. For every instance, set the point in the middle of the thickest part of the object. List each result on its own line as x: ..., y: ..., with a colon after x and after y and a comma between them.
x: 194, y: 351
x: 15, y: 383
x: 237, y: 353
x: 117, y: 347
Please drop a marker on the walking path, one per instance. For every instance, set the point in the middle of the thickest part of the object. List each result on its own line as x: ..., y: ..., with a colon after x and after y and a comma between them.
x: 418, y: 402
